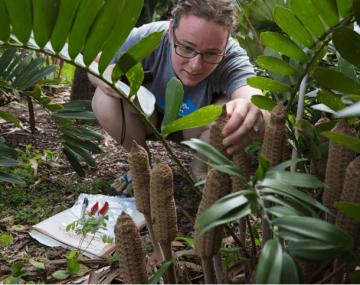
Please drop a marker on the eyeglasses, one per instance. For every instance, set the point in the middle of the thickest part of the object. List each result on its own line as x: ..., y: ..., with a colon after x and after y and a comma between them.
x: 188, y: 52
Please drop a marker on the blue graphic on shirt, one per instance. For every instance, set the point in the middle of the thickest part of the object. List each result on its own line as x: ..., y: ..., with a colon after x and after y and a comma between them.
x: 187, y: 106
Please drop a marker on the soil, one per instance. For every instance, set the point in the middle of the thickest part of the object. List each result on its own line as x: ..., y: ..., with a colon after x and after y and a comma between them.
x: 110, y: 166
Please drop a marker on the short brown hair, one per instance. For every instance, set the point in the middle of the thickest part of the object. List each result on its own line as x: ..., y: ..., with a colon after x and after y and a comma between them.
x: 221, y: 12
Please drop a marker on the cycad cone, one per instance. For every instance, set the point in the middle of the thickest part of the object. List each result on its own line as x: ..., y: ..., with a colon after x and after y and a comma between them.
x: 140, y: 173
x: 163, y: 209
x: 130, y: 251
x: 338, y: 160
x: 218, y: 184
x: 241, y: 161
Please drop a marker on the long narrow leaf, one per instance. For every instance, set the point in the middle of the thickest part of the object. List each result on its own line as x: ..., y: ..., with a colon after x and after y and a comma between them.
x: 7, y: 151
x: 13, y: 64
x: 6, y: 177
x: 6, y: 58
x: 27, y: 71
x: 38, y: 76
x: 296, y: 179
x: 80, y: 153
x: 270, y: 262
x: 8, y: 117
x: 8, y: 162
x: 20, y: 18
x: 135, y: 75
x: 4, y: 23
x: 19, y: 67
x: 74, y: 162
x: 345, y: 140
x: 82, y: 144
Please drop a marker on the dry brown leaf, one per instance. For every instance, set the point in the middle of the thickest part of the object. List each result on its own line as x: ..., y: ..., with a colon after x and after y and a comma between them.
x: 93, y: 278
x: 177, y: 243
x: 44, y: 156
x: 6, y: 220
x: 34, y: 164
x: 192, y: 266
x: 18, y: 228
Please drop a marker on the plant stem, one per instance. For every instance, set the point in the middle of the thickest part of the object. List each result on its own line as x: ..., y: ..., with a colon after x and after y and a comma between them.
x: 219, y: 268
x: 170, y: 271
x: 208, y: 268
x: 251, y: 237
x: 236, y: 240
x: 156, y: 245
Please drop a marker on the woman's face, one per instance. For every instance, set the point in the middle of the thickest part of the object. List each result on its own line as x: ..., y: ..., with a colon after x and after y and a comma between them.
x: 201, y: 36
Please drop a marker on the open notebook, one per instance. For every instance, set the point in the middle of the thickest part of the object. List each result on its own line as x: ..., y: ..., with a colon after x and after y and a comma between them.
x: 52, y: 231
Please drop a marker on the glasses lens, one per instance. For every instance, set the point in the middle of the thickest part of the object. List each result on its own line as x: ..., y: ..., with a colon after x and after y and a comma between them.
x: 212, y: 58
x: 185, y: 51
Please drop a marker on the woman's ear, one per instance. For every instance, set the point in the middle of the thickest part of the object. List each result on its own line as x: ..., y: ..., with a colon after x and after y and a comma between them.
x: 171, y: 31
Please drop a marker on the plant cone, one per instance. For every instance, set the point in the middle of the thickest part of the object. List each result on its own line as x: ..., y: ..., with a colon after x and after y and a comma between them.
x: 163, y: 209
x: 275, y: 146
x: 351, y: 194
x: 218, y: 184
x: 321, y: 163
x: 216, y: 137
x: 140, y: 173
x: 242, y: 163
x: 130, y: 251
x: 338, y: 160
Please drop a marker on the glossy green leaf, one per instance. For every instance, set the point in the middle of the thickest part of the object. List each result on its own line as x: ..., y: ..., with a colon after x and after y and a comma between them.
x: 335, y: 80
x: 85, y: 115
x: 28, y: 71
x: 19, y: 67
x: 287, y: 163
x: 283, y: 44
x: 61, y: 274
x: 64, y: 23
x: 288, y: 22
x: 78, y: 105
x: 345, y: 140
x: 318, y: 58
x: 8, y: 117
x: 6, y: 58
x: 8, y: 162
x: 350, y: 209
x: 281, y: 211
x: 80, y: 153
x: 54, y: 107
x: 6, y: 177
x: 346, y: 68
x: 85, y: 133
x: 100, y: 29
x: 345, y: 7
x: 316, y: 229
x: 356, y: 8
x: 19, y: 12
x: 267, y: 84
x: 296, y: 179
x: 307, y: 14
x: 135, y: 75
x: 7, y: 151
x: 45, y: 13
x: 82, y: 144
x: 196, y: 119
x: 260, y: 173
x: 263, y: 102
x: 298, y: 208
x: 277, y: 65
x: 84, y: 18
x: 250, y: 45
x: 347, y: 43
x: 173, y: 98
x: 353, y: 110
x: 4, y: 23
x: 307, y: 130
x: 328, y: 11
x: 124, y: 24
x: 270, y: 262
x: 331, y: 100
x: 136, y: 53
x: 147, y: 101
x: 13, y: 64
x: 289, y: 190
x: 35, y: 78
x: 73, y: 266
x: 74, y: 162
x: 37, y: 264
x: 289, y: 271
x: 325, y: 127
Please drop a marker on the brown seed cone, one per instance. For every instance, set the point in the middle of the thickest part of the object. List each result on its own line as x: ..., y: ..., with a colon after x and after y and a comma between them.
x: 242, y: 163
x: 140, y: 174
x: 350, y: 193
x: 216, y: 137
x: 338, y: 160
x: 130, y: 251
x: 217, y: 185
x: 321, y: 163
x: 275, y: 145
x: 163, y: 209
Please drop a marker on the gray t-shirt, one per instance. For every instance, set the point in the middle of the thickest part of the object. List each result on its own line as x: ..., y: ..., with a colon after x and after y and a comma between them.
x: 230, y: 73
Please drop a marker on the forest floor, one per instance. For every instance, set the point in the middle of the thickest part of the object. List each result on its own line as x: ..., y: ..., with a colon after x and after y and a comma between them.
x: 51, y: 187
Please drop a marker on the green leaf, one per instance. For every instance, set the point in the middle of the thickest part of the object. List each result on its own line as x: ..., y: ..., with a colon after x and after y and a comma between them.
x: 330, y: 99
x: 263, y: 102
x: 328, y: 11
x: 307, y: 14
x: 346, y: 68
x: 325, y: 127
x: 5, y: 240
x: 356, y: 7
x: 350, y: 50
x: 124, y: 24
x: 306, y: 129
x: 20, y: 18
x: 19, y: 67
x: 350, y: 209
x: 9, y: 178
x: 228, y: 260
x: 28, y: 71
x: 80, y: 153
x: 37, y: 264
x: 45, y: 14
x: 289, y: 270
x: 8, y: 117
x: 173, y: 98
x: 100, y: 29
x: 15, y: 61
x: 78, y: 105
x: 4, y: 23
x: 270, y: 262
x: 85, y: 133
x: 352, y: 110
x: 287, y: 163
x: 85, y: 16
x: 8, y: 162
x: 85, y: 115
x: 189, y: 241
x: 195, y: 119
x: 74, y: 162
x: 156, y: 278
x: 335, y: 80
x: 83, y: 144
x: 345, y: 140
x: 345, y: 7
x: 277, y: 65
x: 6, y: 58
x: 35, y: 78
x: 73, y: 266
x: 281, y: 211
x: 318, y: 58
x: 7, y: 151
x: 230, y: 250
x: 288, y: 22
x: 283, y: 44
x: 267, y: 84
x: 135, y: 75
x: 136, y: 53
x: 63, y: 24
x: 299, y: 208
x: 263, y: 168
x: 17, y: 267
x: 61, y: 274
x: 54, y: 107
x: 296, y: 179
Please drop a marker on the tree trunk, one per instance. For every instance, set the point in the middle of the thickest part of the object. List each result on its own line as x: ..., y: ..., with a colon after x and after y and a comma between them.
x: 82, y: 89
